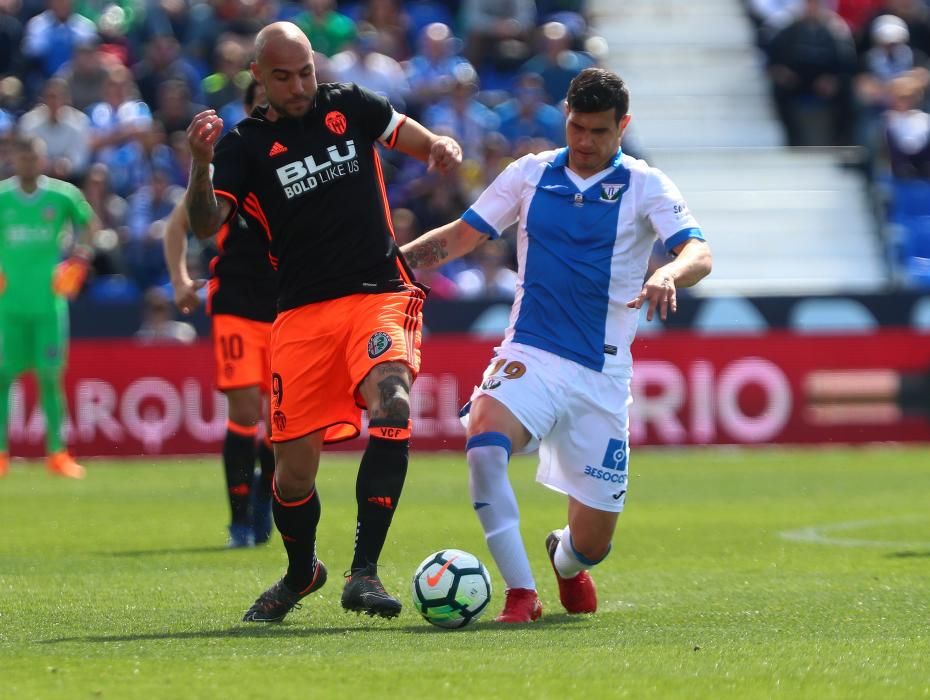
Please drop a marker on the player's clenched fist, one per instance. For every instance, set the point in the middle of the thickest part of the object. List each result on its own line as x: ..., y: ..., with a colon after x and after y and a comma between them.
x: 202, y: 134
x: 445, y: 155
x: 185, y: 294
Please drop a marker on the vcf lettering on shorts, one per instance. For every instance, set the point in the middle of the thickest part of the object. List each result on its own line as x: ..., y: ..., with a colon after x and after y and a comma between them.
x: 613, y: 469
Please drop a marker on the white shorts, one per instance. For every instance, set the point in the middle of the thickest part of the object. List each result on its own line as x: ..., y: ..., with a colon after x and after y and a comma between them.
x: 578, y: 417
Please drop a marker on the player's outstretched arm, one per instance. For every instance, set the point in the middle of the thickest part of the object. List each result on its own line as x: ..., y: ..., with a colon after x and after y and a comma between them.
x: 693, y: 264
x: 175, y: 248
x: 206, y: 215
x: 443, y: 244
x: 441, y: 153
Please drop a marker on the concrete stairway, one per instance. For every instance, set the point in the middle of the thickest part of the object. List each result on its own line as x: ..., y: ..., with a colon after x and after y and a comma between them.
x: 785, y: 221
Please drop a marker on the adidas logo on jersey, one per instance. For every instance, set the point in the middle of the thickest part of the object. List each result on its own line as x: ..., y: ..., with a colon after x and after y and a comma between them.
x: 277, y: 149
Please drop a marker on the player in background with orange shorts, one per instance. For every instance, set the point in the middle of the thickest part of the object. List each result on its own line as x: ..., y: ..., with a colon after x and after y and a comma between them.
x: 241, y: 299
x: 347, y: 334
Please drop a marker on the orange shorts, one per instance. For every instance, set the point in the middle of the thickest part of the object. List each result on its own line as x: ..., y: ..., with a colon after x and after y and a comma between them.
x: 321, y: 353
x: 241, y: 348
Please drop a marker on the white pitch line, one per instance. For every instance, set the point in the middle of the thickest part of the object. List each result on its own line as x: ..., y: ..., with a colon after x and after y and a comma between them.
x: 818, y: 534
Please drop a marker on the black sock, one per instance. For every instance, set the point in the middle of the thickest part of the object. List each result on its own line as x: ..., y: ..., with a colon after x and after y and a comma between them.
x: 377, y: 490
x: 297, y: 521
x: 239, y: 463
x: 266, y: 460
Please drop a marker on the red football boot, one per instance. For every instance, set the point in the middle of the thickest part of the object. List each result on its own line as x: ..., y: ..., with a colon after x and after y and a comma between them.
x: 578, y: 594
x: 521, y: 605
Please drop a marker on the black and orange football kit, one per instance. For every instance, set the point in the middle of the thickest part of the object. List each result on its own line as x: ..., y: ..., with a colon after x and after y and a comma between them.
x: 346, y: 300
x: 346, y: 303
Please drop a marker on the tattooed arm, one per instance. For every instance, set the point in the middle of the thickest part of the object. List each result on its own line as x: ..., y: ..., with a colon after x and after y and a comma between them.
x: 442, y: 245
x: 206, y: 215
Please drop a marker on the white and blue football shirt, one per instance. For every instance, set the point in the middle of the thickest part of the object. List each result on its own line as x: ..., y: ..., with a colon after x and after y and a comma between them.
x: 582, y: 250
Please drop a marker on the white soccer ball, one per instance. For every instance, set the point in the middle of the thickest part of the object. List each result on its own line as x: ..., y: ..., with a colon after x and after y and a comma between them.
x: 451, y: 588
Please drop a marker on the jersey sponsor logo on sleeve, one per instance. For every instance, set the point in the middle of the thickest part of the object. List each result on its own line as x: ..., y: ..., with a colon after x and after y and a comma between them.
x: 277, y: 148
x: 610, y: 192
x: 680, y: 209
x: 301, y: 176
x: 336, y: 122
x: 378, y: 344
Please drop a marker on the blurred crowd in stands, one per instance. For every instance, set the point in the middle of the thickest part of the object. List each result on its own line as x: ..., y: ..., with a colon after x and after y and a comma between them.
x: 857, y: 72
x: 111, y: 85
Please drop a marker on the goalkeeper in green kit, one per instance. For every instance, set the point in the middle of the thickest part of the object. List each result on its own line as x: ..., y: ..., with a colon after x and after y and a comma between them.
x: 35, y: 213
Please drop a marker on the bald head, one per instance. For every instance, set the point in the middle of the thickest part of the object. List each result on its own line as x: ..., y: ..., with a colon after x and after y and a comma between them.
x: 280, y: 37
x: 284, y: 67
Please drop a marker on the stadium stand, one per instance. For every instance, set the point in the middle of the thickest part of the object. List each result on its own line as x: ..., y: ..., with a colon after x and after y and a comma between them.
x: 782, y: 220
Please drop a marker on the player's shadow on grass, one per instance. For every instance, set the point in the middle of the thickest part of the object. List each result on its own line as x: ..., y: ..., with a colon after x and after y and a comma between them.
x: 168, y: 550
x: 275, y: 630
x: 909, y: 554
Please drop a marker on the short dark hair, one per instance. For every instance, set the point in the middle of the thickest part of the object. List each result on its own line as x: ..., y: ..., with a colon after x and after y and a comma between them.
x: 597, y: 90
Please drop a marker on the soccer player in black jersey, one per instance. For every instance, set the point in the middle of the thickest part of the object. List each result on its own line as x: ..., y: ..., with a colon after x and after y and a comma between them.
x: 347, y: 334
x: 241, y: 298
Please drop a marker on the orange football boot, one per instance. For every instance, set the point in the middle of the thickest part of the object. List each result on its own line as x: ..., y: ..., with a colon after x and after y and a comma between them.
x: 63, y: 464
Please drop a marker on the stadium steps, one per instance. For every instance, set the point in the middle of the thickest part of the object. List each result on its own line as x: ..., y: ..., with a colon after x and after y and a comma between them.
x: 780, y: 220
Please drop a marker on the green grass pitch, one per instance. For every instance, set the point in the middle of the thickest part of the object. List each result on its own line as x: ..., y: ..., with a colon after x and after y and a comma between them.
x: 734, y: 574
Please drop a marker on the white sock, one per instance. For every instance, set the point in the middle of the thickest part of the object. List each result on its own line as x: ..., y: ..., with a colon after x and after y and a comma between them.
x: 566, y: 563
x: 496, y: 507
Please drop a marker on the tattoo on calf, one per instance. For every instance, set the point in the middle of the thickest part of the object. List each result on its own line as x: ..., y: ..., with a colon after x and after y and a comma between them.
x: 395, y: 398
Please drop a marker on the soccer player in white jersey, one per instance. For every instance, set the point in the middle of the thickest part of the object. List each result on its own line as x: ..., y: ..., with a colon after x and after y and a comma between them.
x: 587, y: 218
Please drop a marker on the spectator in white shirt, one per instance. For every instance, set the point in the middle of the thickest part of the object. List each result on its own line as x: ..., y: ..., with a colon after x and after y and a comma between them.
x: 64, y: 129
